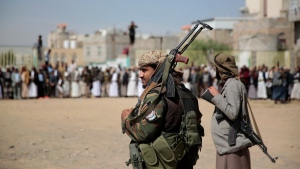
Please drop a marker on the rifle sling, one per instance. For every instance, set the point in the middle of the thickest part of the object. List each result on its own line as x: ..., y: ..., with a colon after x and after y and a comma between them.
x: 254, y: 121
x: 152, y: 105
x: 237, y: 125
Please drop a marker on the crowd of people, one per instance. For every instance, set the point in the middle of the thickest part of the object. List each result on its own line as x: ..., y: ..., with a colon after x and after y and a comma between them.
x: 275, y: 83
x: 68, y: 81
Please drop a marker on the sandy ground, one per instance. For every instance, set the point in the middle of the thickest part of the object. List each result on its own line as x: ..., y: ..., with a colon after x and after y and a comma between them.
x: 86, y: 134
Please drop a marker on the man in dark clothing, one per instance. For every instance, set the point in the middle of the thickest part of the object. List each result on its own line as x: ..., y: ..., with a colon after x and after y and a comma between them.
x: 245, y: 77
x: 288, y: 84
x: 39, y: 47
x: 86, y: 77
x: 53, y: 81
x: 8, y: 88
x: 124, y: 83
x: 132, y: 28
x: 41, y: 84
x: 278, y: 89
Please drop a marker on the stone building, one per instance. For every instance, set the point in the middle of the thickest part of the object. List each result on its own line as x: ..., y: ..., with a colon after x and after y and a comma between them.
x: 223, y: 28
x: 65, y: 46
x: 268, y: 38
x: 103, y: 47
x: 262, y: 35
x: 294, y: 17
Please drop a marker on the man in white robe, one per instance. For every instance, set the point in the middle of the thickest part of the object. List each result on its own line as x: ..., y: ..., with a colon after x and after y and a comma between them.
x: 131, y: 90
x: 261, y: 85
x: 75, y: 87
x: 113, y: 88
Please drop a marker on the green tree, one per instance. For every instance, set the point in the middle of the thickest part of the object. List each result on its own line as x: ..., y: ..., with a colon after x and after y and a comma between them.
x: 7, y: 58
x: 199, y: 51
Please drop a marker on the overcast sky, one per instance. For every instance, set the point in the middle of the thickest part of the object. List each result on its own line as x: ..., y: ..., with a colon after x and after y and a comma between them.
x: 21, y: 21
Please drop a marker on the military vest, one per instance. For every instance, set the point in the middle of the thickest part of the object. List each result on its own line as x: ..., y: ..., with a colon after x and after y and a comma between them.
x: 175, y: 142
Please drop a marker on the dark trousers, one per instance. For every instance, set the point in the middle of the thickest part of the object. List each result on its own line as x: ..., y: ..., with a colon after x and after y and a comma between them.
x: 17, y: 90
x: 41, y: 89
x: 131, y: 37
x: 52, y: 91
x: 190, y: 159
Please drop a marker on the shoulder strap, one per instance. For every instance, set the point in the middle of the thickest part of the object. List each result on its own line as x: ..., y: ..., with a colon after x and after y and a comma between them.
x: 190, y: 130
x: 146, y: 110
x: 254, y: 121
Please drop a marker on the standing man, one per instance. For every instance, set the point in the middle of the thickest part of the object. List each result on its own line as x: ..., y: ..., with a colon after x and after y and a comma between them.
x: 131, y: 88
x: 278, y: 88
x: 230, y: 107
x: 86, y: 82
x: 8, y: 88
x: 245, y: 76
x: 195, y: 81
x: 131, y: 29
x: 106, y: 83
x: 52, y: 82
x: 25, y: 82
x: 47, y: 56
x: 17, y: 83
x: 158, y: 134
x: 33, y: 81
x: 41, y: 84
x: 39, y: 48
x: 124, y: 84
x: 206, y: 78
x: 113, y: 86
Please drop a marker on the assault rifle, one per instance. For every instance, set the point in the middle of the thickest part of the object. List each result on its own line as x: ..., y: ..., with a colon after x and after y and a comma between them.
x: 239, y: 124
x: 173, y: 57
x: 248, y: 131
x: 163, y: 73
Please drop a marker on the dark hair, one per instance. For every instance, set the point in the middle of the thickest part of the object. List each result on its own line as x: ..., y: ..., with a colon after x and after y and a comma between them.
x: 153, y: 65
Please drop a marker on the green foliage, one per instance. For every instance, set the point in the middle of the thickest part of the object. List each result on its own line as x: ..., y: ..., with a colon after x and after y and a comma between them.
x: 208, y: 45
x: 7, y: 58
x: 199, y: 52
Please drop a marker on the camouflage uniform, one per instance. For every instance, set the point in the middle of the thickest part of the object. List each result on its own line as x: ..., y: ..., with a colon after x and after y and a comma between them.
x: 149, y: 128
x: 161, y: 123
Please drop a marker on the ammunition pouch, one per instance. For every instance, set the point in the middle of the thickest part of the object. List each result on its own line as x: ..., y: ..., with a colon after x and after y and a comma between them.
x: 164, y: 152
x: 193, y: 131
x: 176, y: 143
x: 150, y: 157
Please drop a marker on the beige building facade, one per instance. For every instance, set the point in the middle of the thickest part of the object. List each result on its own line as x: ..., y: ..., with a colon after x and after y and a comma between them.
x: 269, y: 37
x: 105, y: 45
x: 265, y: 8
x: 66, y: 55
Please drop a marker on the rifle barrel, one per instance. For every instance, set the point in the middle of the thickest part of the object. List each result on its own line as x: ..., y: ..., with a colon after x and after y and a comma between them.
x: 192, y: 39
x: 186, y: 37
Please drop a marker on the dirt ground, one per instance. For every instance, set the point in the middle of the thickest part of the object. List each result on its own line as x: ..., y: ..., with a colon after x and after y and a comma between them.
x: 86, y: 134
